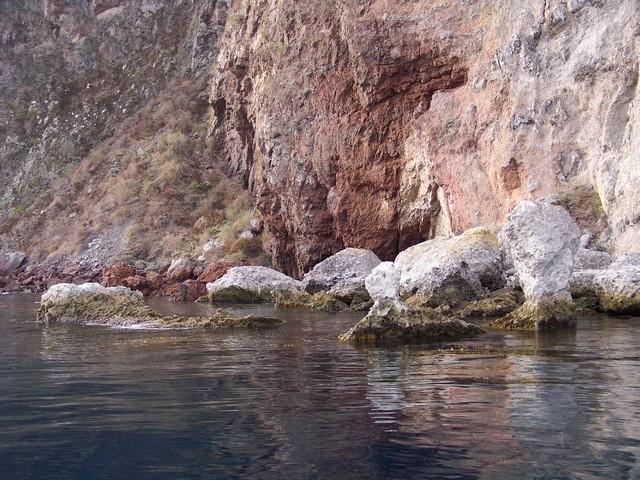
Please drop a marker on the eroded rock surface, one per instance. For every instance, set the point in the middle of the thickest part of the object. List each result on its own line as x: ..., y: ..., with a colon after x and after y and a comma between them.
x: 542, y: 241
x: 452, y: 270
x: 382, y: 124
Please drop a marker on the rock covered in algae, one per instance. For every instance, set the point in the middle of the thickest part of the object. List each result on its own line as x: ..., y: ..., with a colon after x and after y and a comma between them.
x: 251, y: 285
x: 93, y: 304
x: 409, y: 326
x: 321, y: 301
x: 618, y: 289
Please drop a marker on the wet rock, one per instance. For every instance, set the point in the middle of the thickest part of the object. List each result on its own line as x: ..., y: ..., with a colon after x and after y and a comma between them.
x: 251, y: 285
x: 409, y: 326
x: 93, y: 304
x: 496, y: 304
x: 321, y: 301
x: 343, y: 274
x: 452, y: 270
x: 542, y: 240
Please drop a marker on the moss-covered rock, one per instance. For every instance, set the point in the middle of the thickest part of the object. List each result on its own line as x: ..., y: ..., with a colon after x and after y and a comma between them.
x: 496, y: 304
x: 544, y: 315
x: 234, y: 294
x: 251, y: 285
x: 321, y: 301
x: 92, y: 304
x: 409, y: 326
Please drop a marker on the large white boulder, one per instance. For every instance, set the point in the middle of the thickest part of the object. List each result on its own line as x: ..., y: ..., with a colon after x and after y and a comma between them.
x: 452, y: 270
x: 343, y: 274
x: 542, y: 241
x: 67, y: 291
x: 252, y: 284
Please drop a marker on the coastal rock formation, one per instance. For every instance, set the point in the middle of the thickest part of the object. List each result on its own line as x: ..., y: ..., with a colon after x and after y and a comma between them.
x: 390, y: 320
x: 251, y: 285
x: 542, y: 241
x: 93, y: 304
x: 452, y: 270
x: 618, y: 290
x: 379, y: 124
x: 343, y: 274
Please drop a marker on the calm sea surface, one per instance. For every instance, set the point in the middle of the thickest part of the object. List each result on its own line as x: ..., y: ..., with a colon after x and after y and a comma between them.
x: 294, y: 403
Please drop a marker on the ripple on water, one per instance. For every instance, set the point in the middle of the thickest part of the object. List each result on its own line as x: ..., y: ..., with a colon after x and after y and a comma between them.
x: 292, y: 402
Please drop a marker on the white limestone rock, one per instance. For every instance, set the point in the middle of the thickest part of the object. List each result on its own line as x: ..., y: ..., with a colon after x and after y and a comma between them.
x: 452, y: 270
x: 252, y: 285
x: 383, y: 284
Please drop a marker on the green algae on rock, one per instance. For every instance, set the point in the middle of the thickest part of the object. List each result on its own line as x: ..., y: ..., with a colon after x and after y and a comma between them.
x: 321, y: 301
x: 93, y: 304
x: 542, y: 315
x: 409, y: 326
x: 496, y: 304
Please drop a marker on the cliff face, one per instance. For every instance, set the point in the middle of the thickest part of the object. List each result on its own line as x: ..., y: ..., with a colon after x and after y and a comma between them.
x: 378, y: 124
x: 364, y: 123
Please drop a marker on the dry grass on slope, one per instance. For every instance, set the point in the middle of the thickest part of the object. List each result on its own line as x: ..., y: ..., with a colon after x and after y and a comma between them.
x: 152, y: 191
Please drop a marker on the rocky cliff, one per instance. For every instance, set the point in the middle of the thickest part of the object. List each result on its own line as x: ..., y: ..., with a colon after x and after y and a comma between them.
x: 352, y: 123
x: 378, y: 124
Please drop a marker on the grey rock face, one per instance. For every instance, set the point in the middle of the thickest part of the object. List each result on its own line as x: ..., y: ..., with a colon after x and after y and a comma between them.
x: 618, y: 288
x: 11, y: 261
x: 252, y: 284
x: 542, y: 240
x: 586, y: 259
x: 342, y: 274
x: 449, y: 270
x: 383, y: 284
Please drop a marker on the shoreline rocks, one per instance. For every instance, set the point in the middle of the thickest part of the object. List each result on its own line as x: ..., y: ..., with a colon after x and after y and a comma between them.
x: 252, y: 285
x: 93, y: 304
x: 390, y: 320
x: 343, y: 275
x: 542, y: 241
x: 452, y: 270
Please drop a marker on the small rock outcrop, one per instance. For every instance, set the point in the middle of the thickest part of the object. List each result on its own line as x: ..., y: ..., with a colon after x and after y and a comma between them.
x: 343, y: 275
x: 93, y: 304
x: 618, y: 288
x: 452, y: 270
x: 542, y: 240
x: 390, y: 320
x: 251, y: 285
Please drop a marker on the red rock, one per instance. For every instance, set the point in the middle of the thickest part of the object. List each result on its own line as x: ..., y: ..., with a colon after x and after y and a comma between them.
x: 214, y: 271
x: 116, y: 274
x: 181, y: 269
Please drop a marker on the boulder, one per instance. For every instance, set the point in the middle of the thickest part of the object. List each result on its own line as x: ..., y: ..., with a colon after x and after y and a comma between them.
x: 618, y: 289
x: 93, y: 304
x: 452, y: 270
x: 216, y: 270
x: 343, y: 275
x: 181, y: 269
x: 10, y: 262
x: 542, y: 240
x: 117, y: 273
x: 251, y: 285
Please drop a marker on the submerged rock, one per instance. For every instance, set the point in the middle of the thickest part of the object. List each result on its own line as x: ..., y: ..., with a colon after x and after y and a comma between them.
x: 93, y: 304
x: 542, y: 240
x: 321, y: 301
x: 343, y: 275
x: 251, y: 285
x: 409, y: 326
x: 452, y: 270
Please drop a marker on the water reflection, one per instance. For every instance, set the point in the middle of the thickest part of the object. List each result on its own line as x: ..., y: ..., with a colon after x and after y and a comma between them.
x: 293, y: 402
